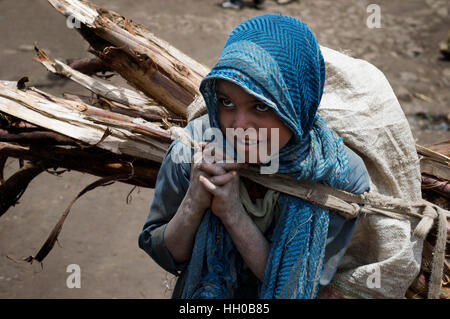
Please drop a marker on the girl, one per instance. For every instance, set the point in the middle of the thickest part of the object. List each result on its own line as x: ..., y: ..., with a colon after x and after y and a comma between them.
x: 226, y: 237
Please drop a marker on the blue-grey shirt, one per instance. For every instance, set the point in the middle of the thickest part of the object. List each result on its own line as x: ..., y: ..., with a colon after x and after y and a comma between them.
x: 172, y: 184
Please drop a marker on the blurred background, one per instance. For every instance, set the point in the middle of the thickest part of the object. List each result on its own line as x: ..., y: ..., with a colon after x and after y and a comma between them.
x: 100, y: 234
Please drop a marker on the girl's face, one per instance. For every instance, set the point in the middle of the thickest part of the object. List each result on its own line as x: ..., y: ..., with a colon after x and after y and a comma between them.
x: 240, y: 110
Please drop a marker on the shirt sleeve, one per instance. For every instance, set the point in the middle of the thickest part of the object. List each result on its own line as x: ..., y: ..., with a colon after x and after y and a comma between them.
x: 358, y: 180
x: 171, y: 186
x: 340, y: 229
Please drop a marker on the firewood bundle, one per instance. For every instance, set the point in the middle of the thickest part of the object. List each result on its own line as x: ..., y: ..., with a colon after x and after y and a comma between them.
x: 118, y: 134
x: 116, y: 131
x: 122, y: 134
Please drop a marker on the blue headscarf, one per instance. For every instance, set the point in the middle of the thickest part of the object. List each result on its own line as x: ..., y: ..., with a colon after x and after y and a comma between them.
x: 275, y: 58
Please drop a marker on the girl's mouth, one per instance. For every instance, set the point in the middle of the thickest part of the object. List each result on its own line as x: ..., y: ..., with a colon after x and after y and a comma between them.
x: 247, y: 141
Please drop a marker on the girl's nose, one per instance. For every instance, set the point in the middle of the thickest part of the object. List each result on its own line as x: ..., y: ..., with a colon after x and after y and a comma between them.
x: 241, y: 120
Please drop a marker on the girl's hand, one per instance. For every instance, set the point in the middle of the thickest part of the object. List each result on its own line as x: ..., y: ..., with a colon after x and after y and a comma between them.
x: 207, y: 162
x: 224, y: 187
x: 222, y: 181
x: 200, y: 196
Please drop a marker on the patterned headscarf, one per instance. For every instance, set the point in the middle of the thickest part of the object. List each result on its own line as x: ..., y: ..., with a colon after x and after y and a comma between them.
x: 276, y: 59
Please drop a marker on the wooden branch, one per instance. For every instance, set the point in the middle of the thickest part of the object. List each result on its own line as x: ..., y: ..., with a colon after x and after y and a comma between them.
x: 12, y: 189
x: 145, y: 76
x: 146, y: 51
x: 441, y: 147
x: 130, y: 110
x: 420, y: 286
x: 150, y: 64
x: 53, y: 236
x: 433, y: 154
x: 3, y: 159
x: 92, y: 161
x: 431, y: 167
x: 36, y: 137
x: 87, y: 12
x: 69, y: 118
x: 103, y: 88
x: 439, y: 186
x: 88, y: 66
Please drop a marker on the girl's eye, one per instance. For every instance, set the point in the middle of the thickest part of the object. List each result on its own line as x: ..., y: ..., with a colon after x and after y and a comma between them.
x: 226, y: 102
x: 262, y: 107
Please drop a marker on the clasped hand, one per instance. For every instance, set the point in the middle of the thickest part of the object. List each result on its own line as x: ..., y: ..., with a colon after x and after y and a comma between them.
x: 216, y: 183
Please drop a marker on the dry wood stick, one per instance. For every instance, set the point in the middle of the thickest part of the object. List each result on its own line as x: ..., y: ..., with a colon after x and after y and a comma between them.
x: 150, y: 64
x: 88, y: 66
x: 12, y: 189
x: 100, y: 87
x: 36, y: 137
x: 440, y: 186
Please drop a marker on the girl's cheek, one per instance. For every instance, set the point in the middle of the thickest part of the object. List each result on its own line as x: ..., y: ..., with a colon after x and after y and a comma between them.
x: 224, y: 120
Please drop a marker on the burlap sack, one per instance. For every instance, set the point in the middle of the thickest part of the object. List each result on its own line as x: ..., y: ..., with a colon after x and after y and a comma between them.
x: 359, y: 104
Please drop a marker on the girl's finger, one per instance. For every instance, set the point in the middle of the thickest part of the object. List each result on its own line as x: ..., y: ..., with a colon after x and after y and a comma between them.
x: 208, y: 185
x: 233, y: 166
x: 223, y: 179
x: 218, y: 168
x: 212, y: 169
x: 197, y: 158
x: 221, y: 157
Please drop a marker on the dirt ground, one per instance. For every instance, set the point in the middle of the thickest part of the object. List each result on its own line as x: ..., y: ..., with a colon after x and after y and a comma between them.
x: 100, y: 234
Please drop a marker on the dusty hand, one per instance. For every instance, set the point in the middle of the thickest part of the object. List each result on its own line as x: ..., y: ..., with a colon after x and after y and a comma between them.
x: 201, y: 197
x: 223, y: 184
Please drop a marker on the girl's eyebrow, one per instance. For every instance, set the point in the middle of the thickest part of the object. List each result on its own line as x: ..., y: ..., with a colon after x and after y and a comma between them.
x: 220, y: 92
